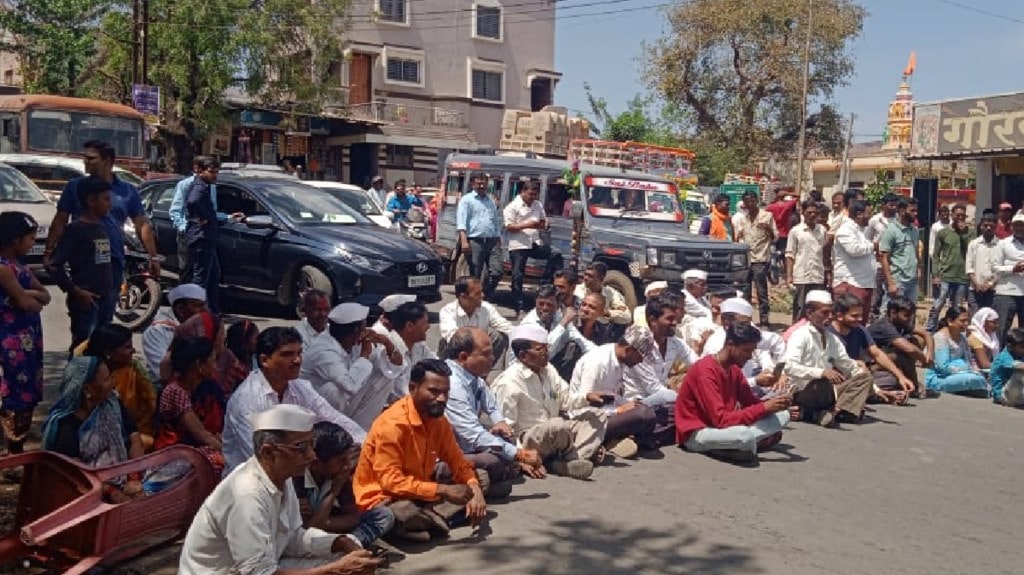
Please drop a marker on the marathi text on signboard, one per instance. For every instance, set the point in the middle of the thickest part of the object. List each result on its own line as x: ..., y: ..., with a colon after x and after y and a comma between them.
x: 964, y: 127
x: 146, y: 99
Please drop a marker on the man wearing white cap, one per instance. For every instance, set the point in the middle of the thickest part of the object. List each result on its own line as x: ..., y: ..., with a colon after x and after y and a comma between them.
x: 769, y: 350
x: 279, y: 350
x: 597, y: 381
x: 716, y: 413
x: 532, y: 395
x: 352, y: 367
x: 653, y: 289
x: 315, y: 307
x: 695, y: 288
x: 470, y: 310
x: 251, y: 525
x: 186, y: 301
x: 388, y: 305
x: 378, y: 192
x: 560, y: 325
x: 827, y: 383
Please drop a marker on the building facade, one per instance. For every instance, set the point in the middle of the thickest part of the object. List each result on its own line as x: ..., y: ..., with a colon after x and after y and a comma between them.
x: 435, y: 76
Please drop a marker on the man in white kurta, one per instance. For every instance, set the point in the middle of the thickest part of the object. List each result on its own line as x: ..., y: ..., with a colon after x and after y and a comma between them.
x: 614, y: 302
x: 695, y: 288
x: 410, y: 324
x: 470, y: 310
x: 251, y: 525
x: 826, y: 381
x: 315, y: 307
x: 559, y: 323
x: 388, y: 306
x: 353, y: 368
x: 532, y: 396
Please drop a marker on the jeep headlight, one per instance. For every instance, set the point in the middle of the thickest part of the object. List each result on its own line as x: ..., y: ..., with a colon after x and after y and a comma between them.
x: 668, y: 259
x: 652, y: 257
x: 357, y: 260
x: 738, y: 260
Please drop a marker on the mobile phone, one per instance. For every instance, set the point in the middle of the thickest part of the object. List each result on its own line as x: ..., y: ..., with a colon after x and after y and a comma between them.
x: 608, y: 399
x: 378, y: 551
x: 778, y: 369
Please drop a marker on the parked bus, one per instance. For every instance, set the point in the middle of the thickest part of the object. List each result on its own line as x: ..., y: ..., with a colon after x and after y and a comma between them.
x: 60, y: 126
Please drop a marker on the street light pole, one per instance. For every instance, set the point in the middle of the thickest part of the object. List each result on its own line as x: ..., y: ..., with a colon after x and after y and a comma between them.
x: 802, y: 136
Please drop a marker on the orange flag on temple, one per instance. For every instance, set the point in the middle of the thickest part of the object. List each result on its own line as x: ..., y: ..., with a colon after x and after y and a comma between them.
x: 911, y: 64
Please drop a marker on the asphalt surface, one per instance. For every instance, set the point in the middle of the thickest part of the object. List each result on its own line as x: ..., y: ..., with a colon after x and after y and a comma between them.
x: 933, y: 487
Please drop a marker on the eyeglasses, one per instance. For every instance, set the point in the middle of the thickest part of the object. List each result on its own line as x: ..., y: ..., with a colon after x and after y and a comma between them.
x: 300, y: 447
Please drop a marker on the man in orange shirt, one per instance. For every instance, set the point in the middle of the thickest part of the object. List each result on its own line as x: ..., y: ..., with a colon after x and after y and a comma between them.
x: 397, y: 465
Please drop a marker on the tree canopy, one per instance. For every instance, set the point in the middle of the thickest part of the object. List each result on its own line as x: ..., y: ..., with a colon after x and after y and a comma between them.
x: 734, y: 69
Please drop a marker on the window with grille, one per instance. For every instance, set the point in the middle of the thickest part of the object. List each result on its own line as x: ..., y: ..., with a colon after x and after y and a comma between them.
x: 487, y: 85
x: 488, y: 22
x: 404, y: 70
x: 393, y: 11
x: 398, y: 156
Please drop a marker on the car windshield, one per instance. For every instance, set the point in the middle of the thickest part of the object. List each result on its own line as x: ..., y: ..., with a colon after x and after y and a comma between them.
x: 355, y: 199
x: 308, y: 205
x: 695, y: 207
x: 15, y: 187
x: 646, y: 200
x: 62, y: 131
x: 128, y: 177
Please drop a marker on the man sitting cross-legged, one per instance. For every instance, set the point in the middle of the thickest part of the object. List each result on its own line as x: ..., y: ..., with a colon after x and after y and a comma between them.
x: 716, y: 411
x: 398, y: 464
x: 532, y: 395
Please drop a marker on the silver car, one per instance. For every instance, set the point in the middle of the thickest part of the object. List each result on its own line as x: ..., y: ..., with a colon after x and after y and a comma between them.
x: 19, y: 194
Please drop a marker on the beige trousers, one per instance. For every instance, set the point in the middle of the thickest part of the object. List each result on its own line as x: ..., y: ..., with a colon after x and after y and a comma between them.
x: 577, y: 438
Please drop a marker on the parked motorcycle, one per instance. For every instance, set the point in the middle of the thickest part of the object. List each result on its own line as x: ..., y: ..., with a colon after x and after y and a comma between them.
x: 141, y: 292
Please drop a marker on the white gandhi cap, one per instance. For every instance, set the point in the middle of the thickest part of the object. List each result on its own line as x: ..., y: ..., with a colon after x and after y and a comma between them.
x: 391, y: 303
x: 659, y: 285
x: 283, y: 417
x: 529, y: 332
x: 818, y: 296
x: 186, y: 291
x: 348, y: 312
x: 695, y: 275
x: 737, y: 305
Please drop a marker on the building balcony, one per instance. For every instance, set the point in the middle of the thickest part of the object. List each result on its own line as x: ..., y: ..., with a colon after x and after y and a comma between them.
x: 409, y: 115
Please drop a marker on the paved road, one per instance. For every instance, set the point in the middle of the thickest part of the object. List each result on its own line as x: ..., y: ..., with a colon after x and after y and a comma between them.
x: 928, y: 488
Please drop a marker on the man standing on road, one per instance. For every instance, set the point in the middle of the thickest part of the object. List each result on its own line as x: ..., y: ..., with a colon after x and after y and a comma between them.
x: 179, y: 221
x: 524, y: 220
x: 716, y: 411
x: 470, y: 310
x: 756, y: 228
x: 717, y: 224
x: 316, y: 305
x: 615, y: 303
x: 949, y: 264
x: 251, y: 523
x: 853, y: 270
x: 202, y: 231
x: 876, y: 226
x: 398, y: 466
x: 1004, y: 226
x: 377, y: 192
x: 783, y: 210
x: 898, y: 247
x: 805, y: 255
x: 981, y: 254
x: 1009, y: 268
x: 125, y: 203
x: 479, y: 227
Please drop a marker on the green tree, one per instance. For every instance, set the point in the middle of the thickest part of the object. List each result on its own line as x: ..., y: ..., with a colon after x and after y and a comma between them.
x: 734, y: 68
x: 878, y: 189
x: 55, y: 41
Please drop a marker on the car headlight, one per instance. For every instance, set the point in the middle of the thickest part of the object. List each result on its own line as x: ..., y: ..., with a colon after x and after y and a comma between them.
x: 357, y: 260
x: 652, y: 257
x: 738, y: 260
x: 668, y: 259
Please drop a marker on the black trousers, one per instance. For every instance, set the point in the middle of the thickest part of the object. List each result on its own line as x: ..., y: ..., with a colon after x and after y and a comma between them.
x: 553, y: 261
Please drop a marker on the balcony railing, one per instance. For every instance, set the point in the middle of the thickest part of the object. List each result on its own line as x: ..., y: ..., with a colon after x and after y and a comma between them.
x: 407, y: 115
x: 336, y: 97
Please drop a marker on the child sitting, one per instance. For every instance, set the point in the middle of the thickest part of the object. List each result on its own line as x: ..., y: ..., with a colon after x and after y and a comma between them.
x: 325, y: 492
x: 1007, y: 371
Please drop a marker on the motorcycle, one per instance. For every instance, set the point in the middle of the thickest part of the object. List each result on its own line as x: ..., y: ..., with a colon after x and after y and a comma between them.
x: 141, y: 292
x: 414, y: 226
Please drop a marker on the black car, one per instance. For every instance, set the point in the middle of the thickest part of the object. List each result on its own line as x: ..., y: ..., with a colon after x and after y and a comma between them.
x: 296, y: 237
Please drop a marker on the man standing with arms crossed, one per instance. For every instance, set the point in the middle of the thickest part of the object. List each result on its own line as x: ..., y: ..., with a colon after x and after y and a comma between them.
x: 479, y: 228
x: 524, y: 219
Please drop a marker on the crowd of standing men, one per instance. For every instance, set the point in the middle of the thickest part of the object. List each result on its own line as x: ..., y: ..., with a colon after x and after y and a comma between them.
x: 348, y: 427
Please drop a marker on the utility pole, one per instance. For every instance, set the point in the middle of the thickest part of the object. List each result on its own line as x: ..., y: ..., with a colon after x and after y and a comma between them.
x: 802, y: 138
x: 844, y: 170
x: 144, y: 42
x: 136, y: 13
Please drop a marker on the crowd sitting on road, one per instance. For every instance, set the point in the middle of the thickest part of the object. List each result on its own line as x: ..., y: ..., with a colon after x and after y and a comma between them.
x: 341, y: 430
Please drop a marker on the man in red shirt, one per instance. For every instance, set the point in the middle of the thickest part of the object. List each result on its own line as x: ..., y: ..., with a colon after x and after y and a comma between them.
x: 782, y: 209
x: 1003, y: 220
x: 716, y: 411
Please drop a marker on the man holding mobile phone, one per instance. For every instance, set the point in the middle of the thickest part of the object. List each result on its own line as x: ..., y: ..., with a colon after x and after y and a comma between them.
x: 717, y: 413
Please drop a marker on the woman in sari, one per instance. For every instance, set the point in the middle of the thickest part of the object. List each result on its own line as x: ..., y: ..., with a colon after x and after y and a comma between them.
x: 89, y: 423
x: 193, y: 361
x: 241, y: 340
x: 228, y: 372
x: 113, y: 345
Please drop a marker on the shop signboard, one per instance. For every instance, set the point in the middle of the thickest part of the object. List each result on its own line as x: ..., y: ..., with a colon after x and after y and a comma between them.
x: 969, y: 127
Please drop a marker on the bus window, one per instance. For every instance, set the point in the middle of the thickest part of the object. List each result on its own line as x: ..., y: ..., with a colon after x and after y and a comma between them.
x: 517, y: 183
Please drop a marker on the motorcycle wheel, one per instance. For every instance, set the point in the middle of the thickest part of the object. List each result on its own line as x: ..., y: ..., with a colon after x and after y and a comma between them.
x: 773, y: 273
x: 139, y: 302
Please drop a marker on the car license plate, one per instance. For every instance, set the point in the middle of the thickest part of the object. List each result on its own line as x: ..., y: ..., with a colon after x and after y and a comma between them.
x: 421, y: 281
x: 36, y: 250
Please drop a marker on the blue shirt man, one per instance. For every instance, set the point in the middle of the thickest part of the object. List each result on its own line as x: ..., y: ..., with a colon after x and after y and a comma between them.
x: 401, y: 204
x: 468, y: 398
x: 477, y: 216
x: 177, y: 210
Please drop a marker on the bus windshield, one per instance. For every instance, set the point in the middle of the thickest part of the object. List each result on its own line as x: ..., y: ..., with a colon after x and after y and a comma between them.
x: 647, y: 200
x: 67, y: 132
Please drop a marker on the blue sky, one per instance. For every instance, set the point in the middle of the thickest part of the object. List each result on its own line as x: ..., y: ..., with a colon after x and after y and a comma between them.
x: 960, y: 53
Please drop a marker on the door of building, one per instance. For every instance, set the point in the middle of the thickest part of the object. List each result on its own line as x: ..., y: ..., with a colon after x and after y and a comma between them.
x: 360, y: 78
